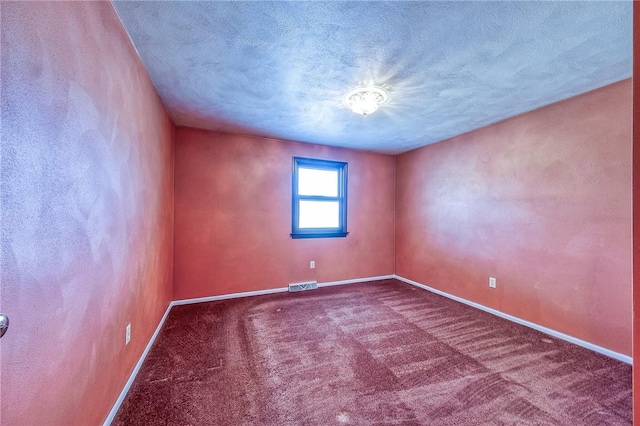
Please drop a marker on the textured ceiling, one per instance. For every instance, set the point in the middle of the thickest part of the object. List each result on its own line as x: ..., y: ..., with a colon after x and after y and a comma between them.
x: 280, y: 69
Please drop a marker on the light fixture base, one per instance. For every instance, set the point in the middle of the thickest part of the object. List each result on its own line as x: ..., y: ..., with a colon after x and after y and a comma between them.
x: 365, y: 100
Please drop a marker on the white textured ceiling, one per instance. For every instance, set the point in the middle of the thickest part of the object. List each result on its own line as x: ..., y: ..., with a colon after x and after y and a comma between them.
x: 280, y: 69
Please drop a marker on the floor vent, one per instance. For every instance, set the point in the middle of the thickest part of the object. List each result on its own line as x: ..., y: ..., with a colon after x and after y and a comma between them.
x: 310, y: 285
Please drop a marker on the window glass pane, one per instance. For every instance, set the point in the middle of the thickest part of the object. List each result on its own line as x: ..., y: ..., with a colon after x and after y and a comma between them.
x: 319, y: 214
x: 318, y: 182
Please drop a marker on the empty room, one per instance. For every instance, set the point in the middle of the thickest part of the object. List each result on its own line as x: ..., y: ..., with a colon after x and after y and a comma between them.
x: 318, y: 213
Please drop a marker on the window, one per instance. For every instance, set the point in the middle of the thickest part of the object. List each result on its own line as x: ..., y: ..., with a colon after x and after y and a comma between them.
x: 319, y: 205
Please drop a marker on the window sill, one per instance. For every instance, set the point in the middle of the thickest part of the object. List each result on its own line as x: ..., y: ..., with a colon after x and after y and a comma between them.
x: 319, y: 235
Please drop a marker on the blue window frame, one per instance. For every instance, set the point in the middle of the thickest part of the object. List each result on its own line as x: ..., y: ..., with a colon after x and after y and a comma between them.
x: 319, y: 201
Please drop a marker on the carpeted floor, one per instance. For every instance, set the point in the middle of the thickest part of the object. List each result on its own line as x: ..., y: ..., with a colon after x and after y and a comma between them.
x: 380, y: 353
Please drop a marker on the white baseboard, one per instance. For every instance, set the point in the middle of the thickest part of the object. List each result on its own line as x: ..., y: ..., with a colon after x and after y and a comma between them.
x: 273, y: 290
x: 566, y: 337
x: 228, y: 296
x: 356, y: 280
x: 136, y: 369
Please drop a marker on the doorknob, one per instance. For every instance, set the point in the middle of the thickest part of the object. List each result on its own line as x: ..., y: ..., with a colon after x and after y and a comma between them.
x: 4, y: 324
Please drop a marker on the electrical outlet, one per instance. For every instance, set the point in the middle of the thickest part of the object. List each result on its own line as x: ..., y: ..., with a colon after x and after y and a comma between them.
x: 312, y: 264
x: 127, y: 334
x: 492, y: 282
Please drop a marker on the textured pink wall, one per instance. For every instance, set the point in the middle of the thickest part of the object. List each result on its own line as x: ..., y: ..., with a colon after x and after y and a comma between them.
x: 233, y: 216
x: 542, y: 202
x: 87, y: 211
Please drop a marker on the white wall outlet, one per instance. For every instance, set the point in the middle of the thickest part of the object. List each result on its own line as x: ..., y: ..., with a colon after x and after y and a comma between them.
x: 492, y: 282
x: 127, y: 334
x: 312, y: 264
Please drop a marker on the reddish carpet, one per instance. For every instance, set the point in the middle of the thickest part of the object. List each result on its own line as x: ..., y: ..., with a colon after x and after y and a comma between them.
x: 367, y: 354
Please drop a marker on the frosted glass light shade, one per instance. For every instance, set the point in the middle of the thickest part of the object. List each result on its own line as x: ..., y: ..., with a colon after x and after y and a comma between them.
x: 365, y: 100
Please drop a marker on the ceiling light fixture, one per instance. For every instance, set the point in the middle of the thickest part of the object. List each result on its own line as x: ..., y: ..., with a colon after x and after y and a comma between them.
x: 365, y: 100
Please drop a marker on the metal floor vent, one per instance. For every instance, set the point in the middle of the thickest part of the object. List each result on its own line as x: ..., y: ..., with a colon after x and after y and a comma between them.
x: 310, y: 285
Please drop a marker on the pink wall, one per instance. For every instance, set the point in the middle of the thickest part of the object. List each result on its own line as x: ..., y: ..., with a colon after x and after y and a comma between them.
x: 542, y: 202
x: 233, y: 216
x: 87, y: 211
